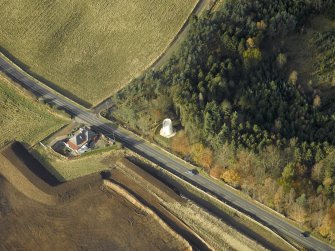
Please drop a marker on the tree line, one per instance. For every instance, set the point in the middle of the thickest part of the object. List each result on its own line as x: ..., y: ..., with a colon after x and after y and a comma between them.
x: 246, y: 118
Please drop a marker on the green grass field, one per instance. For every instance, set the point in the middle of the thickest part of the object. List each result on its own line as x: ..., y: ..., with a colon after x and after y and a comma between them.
x: 89, y: 48
x: 65, y: 170
x: 22, y: 118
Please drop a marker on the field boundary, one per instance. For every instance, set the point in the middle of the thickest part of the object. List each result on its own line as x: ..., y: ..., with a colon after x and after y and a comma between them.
x: 5, y: 54
x: 192, y: 166
x: 36, y: 80
x: 23, y: 184
x: 121, y: 191
x: 86, y: 101
x: 139, y: 174
x: 196, y: 9
x: 27, y: 182
x: 230, y: 208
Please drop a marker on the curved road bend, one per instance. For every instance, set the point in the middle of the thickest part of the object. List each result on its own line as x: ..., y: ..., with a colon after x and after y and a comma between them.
x: 199, y: 7
x: 170, y: 163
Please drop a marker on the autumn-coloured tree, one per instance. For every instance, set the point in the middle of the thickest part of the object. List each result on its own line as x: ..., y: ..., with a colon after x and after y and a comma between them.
x: 318, y: 173
x: 297, y: 213
x: 328, y: 183
x: 328, y: 225
x: 157, y: 115
x: 300, y: 170
x: 270, y: 188
x: 293, y: 77
x: 237, y: 94
x: 281, y: 60
x: 317, y: 101
x: 278, y: 199
x: 251, y: 42
x: 232, y: 177
x: 261, y: 25
x: 246, y: 162
x: 180, y: 143
x: 202, y: 155
x: 216, y: 171
x: 316, y: 219
x: 252, y: 57
x: 249, y: 185
x: 288, y: 175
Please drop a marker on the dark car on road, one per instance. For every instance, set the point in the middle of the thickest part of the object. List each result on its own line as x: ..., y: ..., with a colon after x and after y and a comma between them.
x: 192, y: 172
x: 304, y: 234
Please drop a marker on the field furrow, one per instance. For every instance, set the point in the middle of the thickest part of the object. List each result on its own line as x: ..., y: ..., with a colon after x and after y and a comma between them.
x: 90, y: 49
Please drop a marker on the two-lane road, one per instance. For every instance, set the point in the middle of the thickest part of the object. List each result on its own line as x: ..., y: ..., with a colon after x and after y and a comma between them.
x: 167, y: 161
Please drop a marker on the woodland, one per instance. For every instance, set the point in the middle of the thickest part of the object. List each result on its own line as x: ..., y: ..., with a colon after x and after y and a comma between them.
x: 249, y: 115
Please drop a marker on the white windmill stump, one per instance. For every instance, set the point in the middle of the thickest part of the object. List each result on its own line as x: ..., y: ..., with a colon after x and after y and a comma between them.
x: 167, y: 129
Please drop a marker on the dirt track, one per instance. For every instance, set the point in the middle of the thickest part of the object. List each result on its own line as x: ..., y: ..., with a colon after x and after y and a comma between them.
x: 83, y: 217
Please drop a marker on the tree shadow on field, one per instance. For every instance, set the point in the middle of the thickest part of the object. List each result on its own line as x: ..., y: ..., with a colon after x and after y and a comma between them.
x: 45, y: 81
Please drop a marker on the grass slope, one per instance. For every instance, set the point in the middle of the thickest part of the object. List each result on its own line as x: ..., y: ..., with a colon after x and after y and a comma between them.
x: 89, y: 48
x: 65, y: 170
x: 22, y: 118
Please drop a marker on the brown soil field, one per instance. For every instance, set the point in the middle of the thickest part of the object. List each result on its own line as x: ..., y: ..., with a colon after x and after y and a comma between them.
x: 76, y: 215
x: 150, y: 200
x: 122, y: 208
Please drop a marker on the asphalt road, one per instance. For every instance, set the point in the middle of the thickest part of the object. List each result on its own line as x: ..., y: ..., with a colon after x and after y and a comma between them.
x: 167, y: 161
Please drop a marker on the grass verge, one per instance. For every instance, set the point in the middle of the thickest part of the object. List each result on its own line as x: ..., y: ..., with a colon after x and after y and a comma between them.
x: 24, y: 118
x: 64, y: 169
x: 214, y: 205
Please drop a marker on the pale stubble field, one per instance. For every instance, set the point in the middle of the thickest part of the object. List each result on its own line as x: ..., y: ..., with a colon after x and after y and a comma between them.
x: 89, y: 49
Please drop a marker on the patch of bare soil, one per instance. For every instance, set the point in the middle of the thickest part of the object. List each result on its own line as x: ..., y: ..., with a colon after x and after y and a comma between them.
x: 82, y: 217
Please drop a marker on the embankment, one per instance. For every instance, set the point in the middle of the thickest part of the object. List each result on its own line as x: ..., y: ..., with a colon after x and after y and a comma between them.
x: 118, y: 189
x: 29, y: 177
